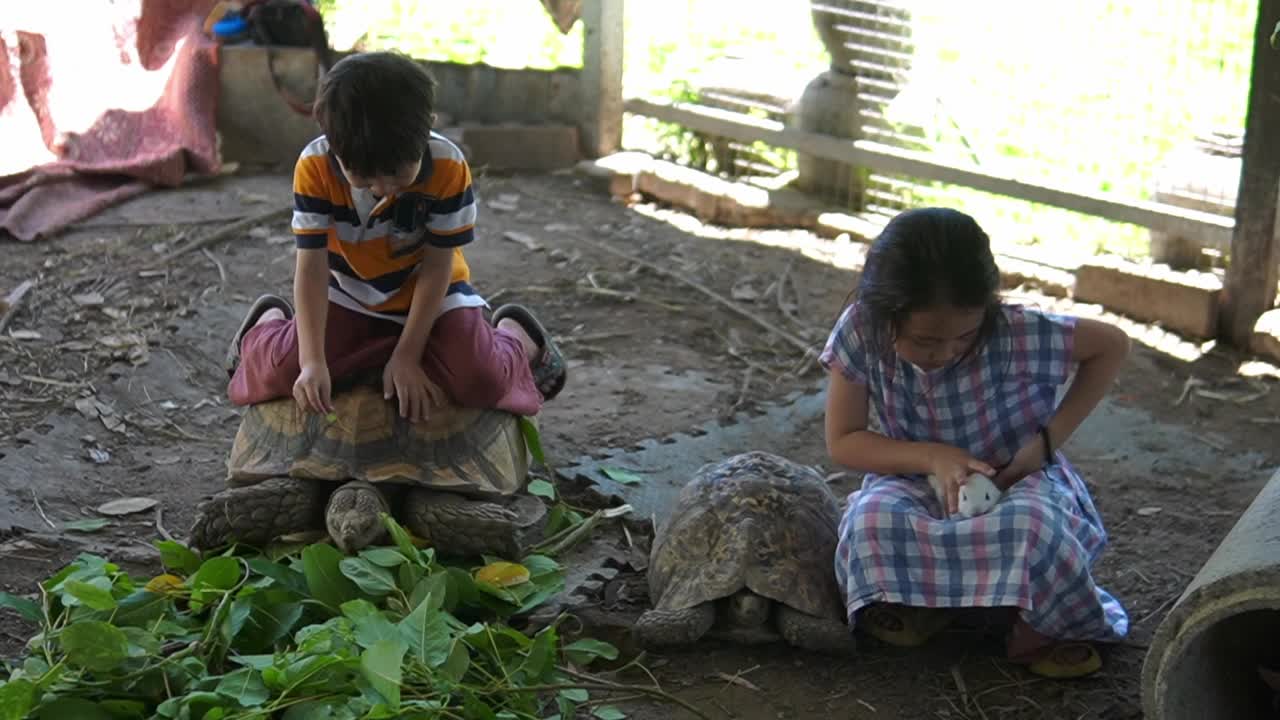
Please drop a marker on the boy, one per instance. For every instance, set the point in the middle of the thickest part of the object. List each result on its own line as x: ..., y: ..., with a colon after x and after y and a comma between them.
x: 382, y: 208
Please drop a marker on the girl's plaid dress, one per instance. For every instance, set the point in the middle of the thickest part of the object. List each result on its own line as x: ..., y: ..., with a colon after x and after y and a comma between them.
x: 1033, y: 550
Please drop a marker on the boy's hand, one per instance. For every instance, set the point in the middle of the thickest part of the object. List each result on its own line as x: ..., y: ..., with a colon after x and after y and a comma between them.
x: 312, y: 390
x: 952, y: 466
x: 404, y: 378
x: 1026, y: 461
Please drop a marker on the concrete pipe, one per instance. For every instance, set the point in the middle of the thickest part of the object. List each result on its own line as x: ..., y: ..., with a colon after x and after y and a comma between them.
x: 1209, y: 657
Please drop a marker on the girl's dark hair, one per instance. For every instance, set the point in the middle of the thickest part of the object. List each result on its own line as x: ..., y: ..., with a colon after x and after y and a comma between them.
x: 926, y: 258
x: 376, y: 110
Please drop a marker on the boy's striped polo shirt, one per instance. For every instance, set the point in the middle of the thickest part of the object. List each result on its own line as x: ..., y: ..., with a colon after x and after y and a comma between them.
x: 376, y: 244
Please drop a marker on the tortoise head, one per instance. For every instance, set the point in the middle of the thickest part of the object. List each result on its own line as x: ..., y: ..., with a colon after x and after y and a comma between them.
x: 353, y: 516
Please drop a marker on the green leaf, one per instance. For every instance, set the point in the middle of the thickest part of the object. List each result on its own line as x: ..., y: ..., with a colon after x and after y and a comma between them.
x: 178, y: 557
x: 541, y: 656
x: 94, y: 645
x: 370, y: 578
x: 380, y: 665
x: 455, y: 668
x: 71, y: 708
x: 17, y: 697
x: 542, y: 488
x: 324, y: 580
x: 125, y: 709
x: 235, y: 619
x: 435, y: 586
x: 619, y: 475
x: 383, y: 557
x: 403, y: 542
x: 215, y: 575
x: 86, y: 525
x: 142, y: 643
x: 582, y: 652
x: 371, y: 626
x: 28, y: 609
x: 95, y: 594
x: 284, y: 577
x: 427, y: 631
x: 608, y: 712
x: 141, y: 607
x: 245, y: 686
x: 577, y: 695
x: 532, y: 439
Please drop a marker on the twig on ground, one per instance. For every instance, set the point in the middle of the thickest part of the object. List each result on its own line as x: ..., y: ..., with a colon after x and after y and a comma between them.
x: 40, y: 509
x: 226, y: 232
x: 592, y: 682
x: 13, y: 303
x: 160, y: 526
x: 222, y: 271
x: 570, y: 339
x: 788, y: 309
x: 1157, y: 611
x: 725, y: 302
x: 742, y: 394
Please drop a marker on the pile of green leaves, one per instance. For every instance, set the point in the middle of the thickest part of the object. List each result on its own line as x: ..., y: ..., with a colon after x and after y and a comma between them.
x: 307, y: 634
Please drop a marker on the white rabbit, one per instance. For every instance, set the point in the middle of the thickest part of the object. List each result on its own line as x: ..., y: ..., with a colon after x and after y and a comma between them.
x: 977, y: 495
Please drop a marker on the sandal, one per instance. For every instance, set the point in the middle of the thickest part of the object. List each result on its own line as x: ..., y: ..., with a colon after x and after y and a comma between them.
x: 256, y: 310
x: 1067, y: 661
x: 549, y: 371
x: 903, y: 626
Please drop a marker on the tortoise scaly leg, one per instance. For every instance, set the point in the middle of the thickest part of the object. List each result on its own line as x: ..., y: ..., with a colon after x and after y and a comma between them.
x: 656, y: 627
x: 257, y: 514
x: 819, y: 634
x: 353, y: 516
x: 455, y: 525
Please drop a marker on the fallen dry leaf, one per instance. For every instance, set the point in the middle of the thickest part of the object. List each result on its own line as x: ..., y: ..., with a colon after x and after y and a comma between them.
x: 1149, y: 511
x: 503, y: 574
x: 92, y: 299
x: 260, y: 233
x: 98, y: 456
x: 119, y: 342
x: 127, y: 506
x: 25, y: 335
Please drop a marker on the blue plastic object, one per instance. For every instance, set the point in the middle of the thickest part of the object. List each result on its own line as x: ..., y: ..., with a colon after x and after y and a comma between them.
x: 231, y: 28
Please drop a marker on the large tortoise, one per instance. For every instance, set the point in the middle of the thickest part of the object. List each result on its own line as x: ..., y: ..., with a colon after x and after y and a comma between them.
x: 748, y: 555
x: 456, y: 480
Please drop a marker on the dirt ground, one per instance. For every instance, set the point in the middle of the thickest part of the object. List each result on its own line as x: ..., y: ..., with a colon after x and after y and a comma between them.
x: 111, y: 386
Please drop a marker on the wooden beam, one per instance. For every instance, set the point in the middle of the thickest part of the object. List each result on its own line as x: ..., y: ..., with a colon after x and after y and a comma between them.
x: 1250, y: 287
x: 602, y: 77
x: 1212, y: 229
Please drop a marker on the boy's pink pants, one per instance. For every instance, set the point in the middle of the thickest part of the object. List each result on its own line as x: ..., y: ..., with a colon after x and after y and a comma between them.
x: 477, y: 365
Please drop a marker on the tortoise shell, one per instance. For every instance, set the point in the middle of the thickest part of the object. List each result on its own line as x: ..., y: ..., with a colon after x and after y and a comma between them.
x: 478, y: 453
x: 757, y: 521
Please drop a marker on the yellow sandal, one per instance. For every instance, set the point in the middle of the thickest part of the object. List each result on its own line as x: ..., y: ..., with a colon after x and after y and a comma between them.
x: 901, y: 625
x: 1067, y: 661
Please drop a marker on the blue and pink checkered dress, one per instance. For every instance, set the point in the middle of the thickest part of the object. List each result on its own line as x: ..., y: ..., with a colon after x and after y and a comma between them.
x: 1034, y: 550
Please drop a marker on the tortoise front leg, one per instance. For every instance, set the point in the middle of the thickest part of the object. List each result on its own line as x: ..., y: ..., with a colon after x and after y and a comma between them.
x: 257, y: 514
x: 658, y: 628
x: 455, y: 525
x: 818, y: 634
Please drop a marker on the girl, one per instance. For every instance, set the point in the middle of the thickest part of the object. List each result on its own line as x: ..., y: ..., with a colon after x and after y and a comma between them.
x: 962, y: 384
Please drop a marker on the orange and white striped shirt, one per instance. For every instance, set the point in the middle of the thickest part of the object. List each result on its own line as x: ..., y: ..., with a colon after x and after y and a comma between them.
x: 376, y: 244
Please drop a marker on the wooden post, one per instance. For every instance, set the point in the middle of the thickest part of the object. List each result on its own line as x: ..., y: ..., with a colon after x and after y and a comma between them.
x: 1250, y: 287
x: 601, y: 77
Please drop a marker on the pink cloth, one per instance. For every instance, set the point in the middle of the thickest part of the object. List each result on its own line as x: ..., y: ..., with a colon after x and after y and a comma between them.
x: 98, y: 102
x: 477, y: 365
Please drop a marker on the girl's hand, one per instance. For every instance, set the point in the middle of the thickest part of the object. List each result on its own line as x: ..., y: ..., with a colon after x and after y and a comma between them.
x: 404, y: 378
x: 312, y: 389
x: 951, y: 466
x: 1026, y: 461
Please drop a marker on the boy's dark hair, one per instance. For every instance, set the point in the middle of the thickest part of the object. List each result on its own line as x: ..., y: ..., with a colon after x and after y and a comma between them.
x: 925, y: 258
x: 376, y: 109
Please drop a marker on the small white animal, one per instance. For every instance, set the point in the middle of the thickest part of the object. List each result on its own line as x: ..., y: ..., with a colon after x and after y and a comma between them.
x: 977, y: 495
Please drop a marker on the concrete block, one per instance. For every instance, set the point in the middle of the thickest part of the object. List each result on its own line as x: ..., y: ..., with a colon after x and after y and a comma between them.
x: 1185, y: 303
x: 521, y: 147
x: 1266, y: 336
x: 723, y: 202
x: 256, y: 124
